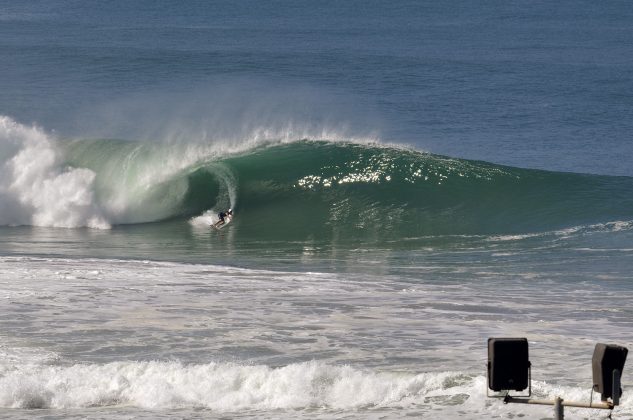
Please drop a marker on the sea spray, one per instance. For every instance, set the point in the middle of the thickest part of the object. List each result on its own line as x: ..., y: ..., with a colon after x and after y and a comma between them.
x: 35, y: 186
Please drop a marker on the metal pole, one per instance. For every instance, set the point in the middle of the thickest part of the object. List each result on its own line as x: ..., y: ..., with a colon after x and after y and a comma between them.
x: 559, y: 410
x: 615, y: 389
x: 515, y: 400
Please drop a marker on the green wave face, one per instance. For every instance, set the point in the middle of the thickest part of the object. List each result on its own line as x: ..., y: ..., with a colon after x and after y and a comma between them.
x: 319, y: 189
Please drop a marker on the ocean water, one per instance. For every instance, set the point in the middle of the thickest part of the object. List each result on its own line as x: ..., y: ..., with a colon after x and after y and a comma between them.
x: 408, y: 180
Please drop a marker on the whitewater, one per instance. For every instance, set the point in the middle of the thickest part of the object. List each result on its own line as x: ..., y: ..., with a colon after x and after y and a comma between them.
x: 309, y: 344
x: 35, y: 188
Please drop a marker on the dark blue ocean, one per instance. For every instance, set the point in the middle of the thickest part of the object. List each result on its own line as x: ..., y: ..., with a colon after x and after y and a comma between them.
x: 408, y: 178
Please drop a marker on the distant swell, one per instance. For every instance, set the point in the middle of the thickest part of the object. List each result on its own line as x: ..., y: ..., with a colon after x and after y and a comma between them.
x: 291, y: 188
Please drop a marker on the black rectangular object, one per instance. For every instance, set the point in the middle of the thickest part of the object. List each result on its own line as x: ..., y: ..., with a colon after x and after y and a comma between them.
x: 508, y: 364
x: 607, y: 358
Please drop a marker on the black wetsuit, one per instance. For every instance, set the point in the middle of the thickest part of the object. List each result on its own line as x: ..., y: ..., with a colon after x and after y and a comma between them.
x: 222, y: 215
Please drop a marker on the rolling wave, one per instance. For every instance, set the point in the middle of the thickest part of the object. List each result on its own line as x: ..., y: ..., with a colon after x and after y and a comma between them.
x: 378, y: 191
x: 305, y: 388
x: 295, y: 189
x: 222, y: 387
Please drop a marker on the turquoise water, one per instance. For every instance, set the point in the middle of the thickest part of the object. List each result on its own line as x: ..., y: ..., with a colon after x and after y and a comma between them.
x: 324, y: 189
x: 408, y: 180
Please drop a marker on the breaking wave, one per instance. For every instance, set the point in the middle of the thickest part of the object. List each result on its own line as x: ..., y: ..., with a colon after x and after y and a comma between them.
x: 315, y: 187
x: 36, y: 188
x: 227, y: 387
x: 219, y: 386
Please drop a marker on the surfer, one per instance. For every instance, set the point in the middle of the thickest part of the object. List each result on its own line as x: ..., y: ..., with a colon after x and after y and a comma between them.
x: 222, y: 215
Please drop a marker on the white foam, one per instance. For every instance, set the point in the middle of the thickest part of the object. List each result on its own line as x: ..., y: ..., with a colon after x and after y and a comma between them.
x: 103, y: 316
x: 35, y: 188
x: 229, y: 387
x: 205, y: 220
x: 219, y: 386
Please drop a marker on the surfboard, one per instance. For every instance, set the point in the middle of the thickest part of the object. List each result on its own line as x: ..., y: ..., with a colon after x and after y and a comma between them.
x: 227, y: 220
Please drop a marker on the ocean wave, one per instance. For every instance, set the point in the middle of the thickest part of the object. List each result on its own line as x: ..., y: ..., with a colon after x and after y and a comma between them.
x: 221, y: 387
x: 315, y: 387
x: 330, y: 187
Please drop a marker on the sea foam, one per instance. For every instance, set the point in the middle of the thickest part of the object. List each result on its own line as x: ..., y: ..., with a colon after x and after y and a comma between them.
x: 221, y: 387
x: 313, y: 387
x: 36, y: 188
